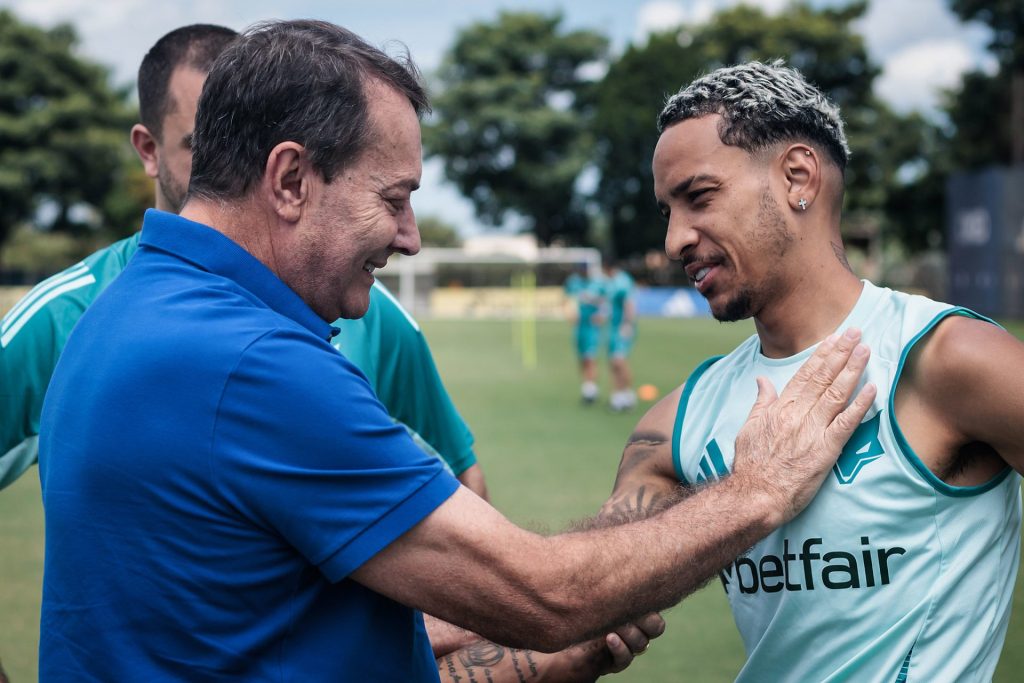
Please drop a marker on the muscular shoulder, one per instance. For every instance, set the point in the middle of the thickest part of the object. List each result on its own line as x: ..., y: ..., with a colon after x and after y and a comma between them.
x: 660, y: 418
x: 969, y: 374
x: 648, y: 451
x: 961, y: 353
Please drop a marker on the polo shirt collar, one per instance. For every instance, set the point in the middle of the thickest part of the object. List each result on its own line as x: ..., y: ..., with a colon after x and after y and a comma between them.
x: 217, y: 253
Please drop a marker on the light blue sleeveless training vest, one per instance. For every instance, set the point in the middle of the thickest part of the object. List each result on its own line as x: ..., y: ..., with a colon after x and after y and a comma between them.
x: 890, y: 574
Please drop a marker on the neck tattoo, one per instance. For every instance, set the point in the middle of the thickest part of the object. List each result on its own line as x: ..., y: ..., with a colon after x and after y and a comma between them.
x: 840, y: 253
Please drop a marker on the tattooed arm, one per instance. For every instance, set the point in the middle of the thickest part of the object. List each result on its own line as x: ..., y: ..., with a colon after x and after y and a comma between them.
x: 646, y: 481
x: 486, y: 661
x: 446, y: 638
x: 491, y: 663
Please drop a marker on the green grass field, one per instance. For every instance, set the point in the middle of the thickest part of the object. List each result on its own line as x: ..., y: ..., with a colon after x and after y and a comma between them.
x: 548, y: 460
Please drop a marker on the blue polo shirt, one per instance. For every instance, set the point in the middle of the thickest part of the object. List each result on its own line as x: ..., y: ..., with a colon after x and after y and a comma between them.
x: 212, y: 471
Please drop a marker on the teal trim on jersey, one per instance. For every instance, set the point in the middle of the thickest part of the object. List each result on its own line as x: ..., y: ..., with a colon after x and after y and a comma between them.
x: 904, y: 671
x: 691, y: 383
x: 901, y: 440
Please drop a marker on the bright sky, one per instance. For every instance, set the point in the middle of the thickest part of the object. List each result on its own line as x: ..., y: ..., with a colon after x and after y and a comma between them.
x: 919, y: 43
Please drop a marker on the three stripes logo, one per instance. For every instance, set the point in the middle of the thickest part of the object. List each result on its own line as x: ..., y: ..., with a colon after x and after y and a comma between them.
x: 40, y: 295
x: 712, y: 464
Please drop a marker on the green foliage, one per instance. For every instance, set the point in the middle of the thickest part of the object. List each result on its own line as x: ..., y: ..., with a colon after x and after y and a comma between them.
x: 821, y: 43
x: 435, y: 232
x: 628, y: 101
x: 987, y: 111
x: 63, y: 129
x: 128, y: 199
x: 511, y: 120
x: 1006, y: 18
x: 981, y: 135
x: 984, y: 125
x: 44, y: 252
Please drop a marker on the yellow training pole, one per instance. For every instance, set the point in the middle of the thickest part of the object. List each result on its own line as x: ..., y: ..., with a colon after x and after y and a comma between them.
x: 529, y: 320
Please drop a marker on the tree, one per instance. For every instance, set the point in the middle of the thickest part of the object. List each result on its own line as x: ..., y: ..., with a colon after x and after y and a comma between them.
x: 985, y: 125
x: 435, y: 232
x: 986, y: 100
x: 511, y: 120
x: 628, y: 101
x: 63, y: 130
x: 821, y: 43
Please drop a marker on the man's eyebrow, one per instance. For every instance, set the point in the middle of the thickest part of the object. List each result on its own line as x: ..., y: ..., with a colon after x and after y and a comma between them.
x: 683, y: 186
x: 409, y: 184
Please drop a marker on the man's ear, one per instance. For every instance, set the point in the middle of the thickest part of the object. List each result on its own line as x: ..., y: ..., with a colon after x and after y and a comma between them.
x: 287, y: 179
x: 801, y: 170
x: 146, y: 147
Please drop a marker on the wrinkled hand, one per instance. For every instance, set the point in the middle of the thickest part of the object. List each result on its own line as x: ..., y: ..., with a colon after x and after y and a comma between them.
x: 790, y: 441
x: 609, y: 654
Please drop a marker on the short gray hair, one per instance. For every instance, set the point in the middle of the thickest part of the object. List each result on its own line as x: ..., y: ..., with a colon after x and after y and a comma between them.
x: 761, y: 104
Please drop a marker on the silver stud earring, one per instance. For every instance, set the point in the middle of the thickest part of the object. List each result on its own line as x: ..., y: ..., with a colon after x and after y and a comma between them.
x: 802, y: 204
x: 807, y: 152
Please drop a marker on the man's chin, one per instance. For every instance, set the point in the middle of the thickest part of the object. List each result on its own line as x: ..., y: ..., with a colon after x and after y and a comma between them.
x: 732, y: 310
x: 353, y: 310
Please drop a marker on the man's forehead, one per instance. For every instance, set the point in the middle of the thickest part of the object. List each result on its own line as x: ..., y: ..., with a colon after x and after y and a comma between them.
x: 184, y: 87
x: 699, y: 134
x: 680, y: 146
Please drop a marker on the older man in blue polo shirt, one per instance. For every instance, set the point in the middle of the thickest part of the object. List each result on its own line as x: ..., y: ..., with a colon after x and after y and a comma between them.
x: 226, y: 498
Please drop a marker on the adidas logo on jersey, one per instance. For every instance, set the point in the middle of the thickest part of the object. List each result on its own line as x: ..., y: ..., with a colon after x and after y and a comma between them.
x: 811, y: 568
x: 712, y: 464
x: 862, y: 449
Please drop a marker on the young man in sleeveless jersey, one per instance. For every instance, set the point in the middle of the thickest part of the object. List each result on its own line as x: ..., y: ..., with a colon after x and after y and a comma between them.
x: 903, y: 566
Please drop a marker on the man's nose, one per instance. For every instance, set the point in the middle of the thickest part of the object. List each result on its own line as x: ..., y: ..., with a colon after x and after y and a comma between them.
x: 407, y: 240
x: 680, y: 235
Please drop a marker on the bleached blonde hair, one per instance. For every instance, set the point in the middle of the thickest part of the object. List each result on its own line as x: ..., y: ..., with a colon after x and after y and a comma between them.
x: 760, y: 105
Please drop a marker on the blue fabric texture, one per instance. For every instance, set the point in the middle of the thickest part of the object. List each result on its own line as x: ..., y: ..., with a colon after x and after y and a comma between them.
x: 212, y: 471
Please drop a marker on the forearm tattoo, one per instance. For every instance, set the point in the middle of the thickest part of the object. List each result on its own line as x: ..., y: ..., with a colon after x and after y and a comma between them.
x: 638, y: 505
x: 480, y: 662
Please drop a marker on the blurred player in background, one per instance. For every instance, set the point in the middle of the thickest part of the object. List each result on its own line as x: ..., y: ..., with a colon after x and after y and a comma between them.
x: 618, y: 297
x: 586, y: 295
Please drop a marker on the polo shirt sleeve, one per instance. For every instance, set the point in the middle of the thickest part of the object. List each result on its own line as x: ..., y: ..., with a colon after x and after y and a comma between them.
x: 304, y: 449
